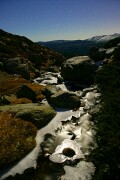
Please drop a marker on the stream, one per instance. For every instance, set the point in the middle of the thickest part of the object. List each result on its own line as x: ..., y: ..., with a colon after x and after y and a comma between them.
x: 65, y: 142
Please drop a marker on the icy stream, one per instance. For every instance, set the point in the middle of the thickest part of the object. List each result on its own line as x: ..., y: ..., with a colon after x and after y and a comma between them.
x: 68, y: 131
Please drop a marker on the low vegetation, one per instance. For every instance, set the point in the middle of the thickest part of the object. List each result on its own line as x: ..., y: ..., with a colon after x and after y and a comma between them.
x: 17, y: 138
x: 19, y: 46
x: 8, y: 83
x: 106, y: 156
x: 112, y: 43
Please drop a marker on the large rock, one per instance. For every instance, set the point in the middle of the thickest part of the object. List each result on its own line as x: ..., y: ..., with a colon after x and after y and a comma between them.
x: 65, y: 99
x: 80, y: 68
x: 17, y: 65
x: 97, y: 54
x: 25, y: 92
x: 38, y: 114
x: 51, y: 90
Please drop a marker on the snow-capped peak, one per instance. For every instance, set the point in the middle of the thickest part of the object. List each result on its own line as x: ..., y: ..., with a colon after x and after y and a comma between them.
x: 104, y: 38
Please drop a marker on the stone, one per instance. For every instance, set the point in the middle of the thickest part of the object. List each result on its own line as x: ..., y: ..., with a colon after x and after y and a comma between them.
x: 39, y: 115
x: 65, y: 99
x: 25, y: 92
x: 80, y: 68
x: 51, y: 90
x: 97, y: 54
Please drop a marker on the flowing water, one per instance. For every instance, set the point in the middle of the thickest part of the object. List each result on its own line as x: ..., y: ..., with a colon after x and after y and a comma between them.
x: 64, y: 142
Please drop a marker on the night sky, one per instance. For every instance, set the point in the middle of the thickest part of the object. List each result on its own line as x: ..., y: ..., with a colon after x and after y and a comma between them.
x: 43, y: 20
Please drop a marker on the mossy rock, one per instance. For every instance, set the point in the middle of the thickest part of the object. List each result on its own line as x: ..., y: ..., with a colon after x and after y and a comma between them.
x: 79, y: 69
x: 50, y: 90
x: 17, y: 138
x: 65, y: 99
x: 38, y: 114
x: 12, y: 99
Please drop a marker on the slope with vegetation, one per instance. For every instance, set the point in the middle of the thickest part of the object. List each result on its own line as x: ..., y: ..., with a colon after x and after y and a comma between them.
x: 71, y: 48
x: 21, y: 60
x: 18, y: 52
x: 106, y: 156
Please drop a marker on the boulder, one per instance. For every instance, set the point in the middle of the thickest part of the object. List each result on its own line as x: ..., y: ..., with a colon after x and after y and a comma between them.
x: 97, y: 54
x: 81, y: 69
x: 38, y: 114
x: 25, y: 92
x: 17, y: 65
x: 65, y: 99
x: 51, y: 90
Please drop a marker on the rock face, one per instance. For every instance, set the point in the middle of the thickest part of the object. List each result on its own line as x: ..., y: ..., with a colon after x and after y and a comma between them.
x: 80, y: 68
x: 39, y: 115
x: 65, y: 100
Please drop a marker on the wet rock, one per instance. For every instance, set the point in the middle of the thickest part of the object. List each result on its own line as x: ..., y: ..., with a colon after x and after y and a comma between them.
x: 65, y: 99
x: 90, y: 89
x: 90, y: 96
x: 39, y: 115
x: 51, y: 90
x: 59, y: 80
x: 68, y: 150
x: 81, y: 69
x: 25, y: 92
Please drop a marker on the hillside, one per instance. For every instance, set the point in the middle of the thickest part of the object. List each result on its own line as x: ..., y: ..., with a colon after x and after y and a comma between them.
x: 73, y: 48
x: 106, y: 155
x: 18, y: 50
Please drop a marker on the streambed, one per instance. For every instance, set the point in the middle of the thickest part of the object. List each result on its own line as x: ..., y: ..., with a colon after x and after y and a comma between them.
x: 66, y: 140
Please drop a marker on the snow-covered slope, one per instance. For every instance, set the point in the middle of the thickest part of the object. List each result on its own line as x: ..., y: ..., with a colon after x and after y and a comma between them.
x: 104, y: 38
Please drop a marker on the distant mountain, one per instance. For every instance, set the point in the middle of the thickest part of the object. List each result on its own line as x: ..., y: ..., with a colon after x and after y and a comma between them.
x: 104, y: 38
x: 71, y: 48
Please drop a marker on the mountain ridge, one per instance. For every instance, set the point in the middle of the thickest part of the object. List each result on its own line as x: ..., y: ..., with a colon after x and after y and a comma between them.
x: 71, y: 48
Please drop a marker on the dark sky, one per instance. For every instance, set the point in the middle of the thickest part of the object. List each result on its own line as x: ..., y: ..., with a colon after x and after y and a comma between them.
x: 42, y: 20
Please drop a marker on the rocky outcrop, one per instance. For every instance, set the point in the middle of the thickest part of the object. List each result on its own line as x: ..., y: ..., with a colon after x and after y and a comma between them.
x: 17, y: 65
x: 80, y: 68
x: 20, y: 55
x: 65, y: 99
x: 38, y: 114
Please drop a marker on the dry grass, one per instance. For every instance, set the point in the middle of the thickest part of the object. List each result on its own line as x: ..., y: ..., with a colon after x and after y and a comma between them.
x: 38, y: 89
x: 20, y: 101
x: 17, y: 138
x: 8, y: 83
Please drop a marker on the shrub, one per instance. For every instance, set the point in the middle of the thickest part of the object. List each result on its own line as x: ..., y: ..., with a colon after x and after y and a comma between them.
x: 17, y: 138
